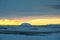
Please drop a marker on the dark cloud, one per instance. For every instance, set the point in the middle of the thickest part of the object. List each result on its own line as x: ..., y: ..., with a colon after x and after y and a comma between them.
x: 53, y: 6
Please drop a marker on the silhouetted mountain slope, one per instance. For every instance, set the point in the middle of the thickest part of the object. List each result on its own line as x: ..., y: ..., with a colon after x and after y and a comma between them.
x: 27, y: 29
x: 27, y: 32
x: 25, y: 24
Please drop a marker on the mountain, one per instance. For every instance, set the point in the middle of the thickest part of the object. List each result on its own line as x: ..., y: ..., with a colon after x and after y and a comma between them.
x: 54, y: 25
x: 26, y: 25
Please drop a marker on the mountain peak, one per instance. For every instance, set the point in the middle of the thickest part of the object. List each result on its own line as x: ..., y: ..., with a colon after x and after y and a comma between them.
x: 25, y: 25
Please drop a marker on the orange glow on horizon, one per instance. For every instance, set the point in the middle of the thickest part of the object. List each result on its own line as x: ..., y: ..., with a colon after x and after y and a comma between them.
x: 10, y: 22
x: 41, y: 21
x: 44, y: 21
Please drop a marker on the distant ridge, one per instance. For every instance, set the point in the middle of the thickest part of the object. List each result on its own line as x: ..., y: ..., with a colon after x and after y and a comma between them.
x: 48, y: 25
x: 29, y: 25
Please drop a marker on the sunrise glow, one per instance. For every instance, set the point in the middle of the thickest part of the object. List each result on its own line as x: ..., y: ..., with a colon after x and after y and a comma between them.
x: 9, y: 22
x: 32, y: 22
x: 44, y: 21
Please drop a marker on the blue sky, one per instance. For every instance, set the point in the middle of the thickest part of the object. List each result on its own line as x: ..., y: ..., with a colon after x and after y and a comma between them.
x: 20, y: 8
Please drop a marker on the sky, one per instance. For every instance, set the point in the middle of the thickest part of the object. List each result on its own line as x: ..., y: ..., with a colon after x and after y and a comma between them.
x: 23, y: 8
x: 29, y: 9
